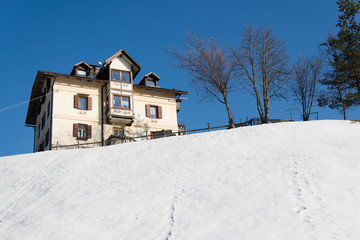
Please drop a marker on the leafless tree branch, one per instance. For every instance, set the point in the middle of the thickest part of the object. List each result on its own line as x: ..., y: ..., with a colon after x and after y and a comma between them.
x: 210, y: 67
x: 262, y: 66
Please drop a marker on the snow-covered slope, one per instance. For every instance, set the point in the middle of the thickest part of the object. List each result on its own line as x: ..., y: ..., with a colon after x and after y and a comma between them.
x: 277, y: 181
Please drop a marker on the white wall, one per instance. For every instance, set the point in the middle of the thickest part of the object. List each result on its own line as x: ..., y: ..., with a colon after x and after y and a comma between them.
x: 120, y: 63
x: 65, y: 115
x: 143, y: 123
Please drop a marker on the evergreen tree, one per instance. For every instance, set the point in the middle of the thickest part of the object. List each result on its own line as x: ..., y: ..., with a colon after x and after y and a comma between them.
x: 343, y: 52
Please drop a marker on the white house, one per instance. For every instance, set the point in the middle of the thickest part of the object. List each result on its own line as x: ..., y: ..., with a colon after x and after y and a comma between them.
x: 100, y: 105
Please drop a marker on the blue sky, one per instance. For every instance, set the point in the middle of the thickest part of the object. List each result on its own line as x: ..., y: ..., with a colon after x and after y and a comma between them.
x: 54, y: 35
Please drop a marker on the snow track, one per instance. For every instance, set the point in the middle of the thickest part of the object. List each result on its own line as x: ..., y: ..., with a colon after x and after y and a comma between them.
x: 13, y: 201
x: 297, y: 181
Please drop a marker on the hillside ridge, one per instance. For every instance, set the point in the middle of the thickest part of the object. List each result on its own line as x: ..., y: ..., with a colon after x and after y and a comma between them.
x: 278, y: 181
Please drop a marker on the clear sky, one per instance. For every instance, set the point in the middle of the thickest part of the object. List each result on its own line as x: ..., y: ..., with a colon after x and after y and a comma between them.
x: 54, y: 35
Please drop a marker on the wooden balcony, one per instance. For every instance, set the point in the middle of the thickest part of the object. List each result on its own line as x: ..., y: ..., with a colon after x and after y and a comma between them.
x: 120, y: 116
x: 117, y: 85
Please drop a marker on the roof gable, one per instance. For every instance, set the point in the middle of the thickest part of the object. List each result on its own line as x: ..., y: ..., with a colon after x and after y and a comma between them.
x: 135, y: 67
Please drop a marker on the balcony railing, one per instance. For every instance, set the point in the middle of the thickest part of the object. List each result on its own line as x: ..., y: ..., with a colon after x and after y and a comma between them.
x: 117, y: 85
x: 117, y: 115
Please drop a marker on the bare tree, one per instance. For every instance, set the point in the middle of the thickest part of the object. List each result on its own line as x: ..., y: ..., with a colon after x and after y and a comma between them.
x: 262, y: 66
x: 210, y: 66
x: 307, y: 74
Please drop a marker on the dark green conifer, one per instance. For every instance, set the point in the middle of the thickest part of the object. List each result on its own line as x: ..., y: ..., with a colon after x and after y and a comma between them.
x: 343, y: 52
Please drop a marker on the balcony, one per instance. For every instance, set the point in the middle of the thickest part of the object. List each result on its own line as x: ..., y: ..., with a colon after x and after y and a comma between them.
x: 117, y: 85
x: 120, y: 116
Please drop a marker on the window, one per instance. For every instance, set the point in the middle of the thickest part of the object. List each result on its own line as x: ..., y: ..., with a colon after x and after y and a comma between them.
x: 121, y: 102
x: 153, y: 111
x: 150, y: 83
x: 120, y: 76
x: 48, y: 110
x: 47, y: 138
x: 43, y: 120
x: 43, y: 98
x: 82, y: 131
x: 82, y: 102
x: 42, y: 147
x: 48, y: 82
x: 118, y: 131
x: 125, y: 77
x: 81, y: 73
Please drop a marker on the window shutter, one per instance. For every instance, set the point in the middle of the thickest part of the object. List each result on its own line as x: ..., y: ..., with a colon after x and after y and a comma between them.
x: 75, y: 130
x: 89, y: 103
x: 76, y: 101
x: 160, y: 112
x: 147, y: 110
x: 88, y: 131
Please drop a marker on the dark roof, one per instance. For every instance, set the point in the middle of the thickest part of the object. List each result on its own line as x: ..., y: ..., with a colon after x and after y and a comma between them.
x: 152, y: 76
x: 177, y: 92
x: 82, y: 63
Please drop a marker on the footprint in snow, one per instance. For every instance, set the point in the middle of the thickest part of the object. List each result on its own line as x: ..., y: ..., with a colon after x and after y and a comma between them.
x: 300, y: 209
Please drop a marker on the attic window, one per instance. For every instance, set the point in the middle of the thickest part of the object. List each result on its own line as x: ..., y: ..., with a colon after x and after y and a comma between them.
x: 150, y: 83
x: 81, y: 73
x: 120, y: 76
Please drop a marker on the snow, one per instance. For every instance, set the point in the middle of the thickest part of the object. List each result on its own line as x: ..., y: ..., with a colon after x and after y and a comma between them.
x: 279, y: 181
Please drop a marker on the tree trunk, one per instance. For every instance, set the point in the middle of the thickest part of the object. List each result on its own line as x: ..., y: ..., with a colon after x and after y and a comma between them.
x: 259, y: 107
x: 342, y: 101
x: 344, y: 110
x: 306, y: 116
x: 231, y: 122
x: 266, y: 108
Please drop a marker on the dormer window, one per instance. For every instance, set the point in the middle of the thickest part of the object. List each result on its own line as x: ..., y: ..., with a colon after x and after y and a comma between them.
x: 150, y: 83
x: 81, y: 73
x: 150, y: 80
x: 120, y: 76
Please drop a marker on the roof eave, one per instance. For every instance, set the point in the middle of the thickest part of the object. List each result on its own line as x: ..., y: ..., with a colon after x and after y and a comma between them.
x: 177, y: 92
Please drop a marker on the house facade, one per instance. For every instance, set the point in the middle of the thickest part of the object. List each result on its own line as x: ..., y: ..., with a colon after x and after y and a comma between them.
x: 100, y: 105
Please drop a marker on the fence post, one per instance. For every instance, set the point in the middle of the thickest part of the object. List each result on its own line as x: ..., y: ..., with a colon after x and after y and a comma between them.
x: 78, y: 144
x: 147, y: 135
x: 209, y: 126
